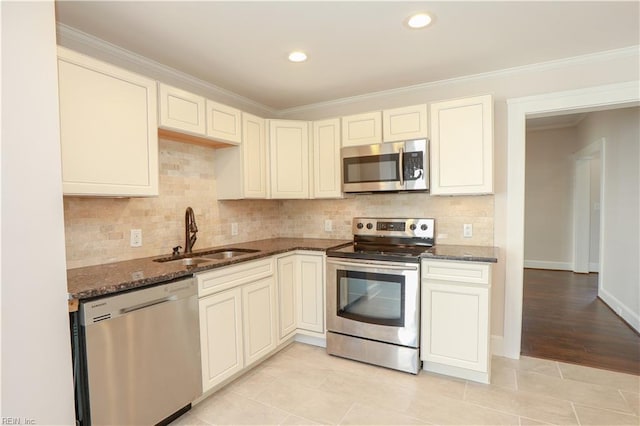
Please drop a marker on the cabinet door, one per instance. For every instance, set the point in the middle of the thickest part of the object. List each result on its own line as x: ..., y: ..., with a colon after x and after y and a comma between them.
x: 220, y: 336
x: 108, y: 128
x: 362, y: 129
x: 455, y: 328
x: 181, y: 110
x: 289, y: 152
x: 223, y: 122
x: 310, y: 294
x: 287, y: 279
x: 406, y: 123
x: 326, y: 159
x: 254, y: 149
x: 258, y: 307
x: 462, y: 146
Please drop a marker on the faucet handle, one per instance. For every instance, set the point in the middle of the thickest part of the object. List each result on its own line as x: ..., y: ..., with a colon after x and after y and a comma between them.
x: 176, y: 250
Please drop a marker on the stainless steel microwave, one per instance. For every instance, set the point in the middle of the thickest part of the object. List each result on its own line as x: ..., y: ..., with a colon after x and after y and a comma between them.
x: 393, y: 166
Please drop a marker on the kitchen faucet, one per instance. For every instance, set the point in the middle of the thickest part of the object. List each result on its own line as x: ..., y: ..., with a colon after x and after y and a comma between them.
x: 190, y: 230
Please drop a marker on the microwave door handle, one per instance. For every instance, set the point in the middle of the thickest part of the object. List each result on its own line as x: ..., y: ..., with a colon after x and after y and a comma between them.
x: 401, y: 166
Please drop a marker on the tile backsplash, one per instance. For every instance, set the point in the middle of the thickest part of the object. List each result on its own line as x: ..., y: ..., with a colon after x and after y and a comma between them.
x: 97, y: 229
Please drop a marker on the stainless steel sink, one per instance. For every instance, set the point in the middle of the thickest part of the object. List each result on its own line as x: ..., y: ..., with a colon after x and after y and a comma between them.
x: 193, y: 259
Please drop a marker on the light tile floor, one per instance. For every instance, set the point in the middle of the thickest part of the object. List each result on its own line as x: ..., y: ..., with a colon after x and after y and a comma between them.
x: 302, y: 385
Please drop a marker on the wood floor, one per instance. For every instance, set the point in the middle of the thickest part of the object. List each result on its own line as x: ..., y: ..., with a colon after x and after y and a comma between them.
x: 563, y: 320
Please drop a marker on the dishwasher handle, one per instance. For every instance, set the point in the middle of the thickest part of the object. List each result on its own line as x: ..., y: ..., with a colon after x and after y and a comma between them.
x: 148, y: 304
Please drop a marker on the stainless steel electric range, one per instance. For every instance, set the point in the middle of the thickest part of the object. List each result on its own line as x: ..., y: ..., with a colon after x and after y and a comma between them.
x: 373, y: 292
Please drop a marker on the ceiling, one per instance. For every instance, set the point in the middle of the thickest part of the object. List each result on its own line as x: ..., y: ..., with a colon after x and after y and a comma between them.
x: 353, y: 47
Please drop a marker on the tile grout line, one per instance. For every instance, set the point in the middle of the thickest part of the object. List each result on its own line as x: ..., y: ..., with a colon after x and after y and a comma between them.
x: 575, y: 413
x: 559, y: 370
x: 345, y: 414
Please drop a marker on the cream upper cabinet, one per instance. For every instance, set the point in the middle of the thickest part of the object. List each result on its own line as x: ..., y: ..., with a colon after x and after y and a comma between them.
x: 181, y: 111
x: 224, y: 123
x: 462, y: 146
x: 289, y: 154
x: 406, y: 123
x: 242, y: 171
x: 186, y: 113
x: 326, y: 159
x: 108, y: 129
x: 455, y: 319
x: 362, y: 129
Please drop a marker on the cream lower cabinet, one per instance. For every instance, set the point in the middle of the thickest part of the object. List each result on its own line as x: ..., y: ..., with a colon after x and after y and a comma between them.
x: 455, y: 319
x: 462, y: 146
x: 108, y: 128
x: 301, y: 294
x: 237, y: 318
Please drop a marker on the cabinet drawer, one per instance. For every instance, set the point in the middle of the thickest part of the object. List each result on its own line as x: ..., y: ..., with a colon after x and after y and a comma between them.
x: 233, y: 276
x: 466, y: 272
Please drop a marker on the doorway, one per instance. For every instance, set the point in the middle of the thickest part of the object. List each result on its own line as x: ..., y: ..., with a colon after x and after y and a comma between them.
x: 597, y: 98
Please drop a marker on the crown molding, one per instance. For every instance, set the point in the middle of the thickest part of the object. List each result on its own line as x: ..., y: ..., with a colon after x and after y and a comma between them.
x: 69, y: 35
x: 537, y: 67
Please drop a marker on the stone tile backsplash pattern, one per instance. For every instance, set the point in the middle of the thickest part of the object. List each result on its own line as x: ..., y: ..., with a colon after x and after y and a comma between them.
x: 97, y: 229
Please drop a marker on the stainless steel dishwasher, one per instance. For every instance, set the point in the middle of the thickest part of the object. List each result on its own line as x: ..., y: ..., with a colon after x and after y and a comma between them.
x: 142, y: 353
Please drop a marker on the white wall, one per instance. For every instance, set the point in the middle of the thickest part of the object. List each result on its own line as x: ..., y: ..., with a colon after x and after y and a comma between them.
x: 620, y: 245
x: 548, y: 222
x: 36, y: 353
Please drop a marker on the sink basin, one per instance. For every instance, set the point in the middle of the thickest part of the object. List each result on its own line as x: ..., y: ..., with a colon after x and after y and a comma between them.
x: 226, y: 254
x: 206, y: 256
x: 187, y: 261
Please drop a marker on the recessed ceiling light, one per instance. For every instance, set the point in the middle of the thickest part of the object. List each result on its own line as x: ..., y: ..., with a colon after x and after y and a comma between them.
x: 419, y: 20
x: 297, y: 56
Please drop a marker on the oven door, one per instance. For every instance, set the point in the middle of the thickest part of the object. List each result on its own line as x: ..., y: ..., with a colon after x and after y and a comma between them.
x: 375, y: 300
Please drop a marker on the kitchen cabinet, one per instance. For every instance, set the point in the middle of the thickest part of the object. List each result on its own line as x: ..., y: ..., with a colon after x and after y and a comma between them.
x: 221, y: 342
x: 327, y: 182
x: 185, y: 113
x: 362, y: 129
x: 223, y: 122
x: 181, y: 111
x: 310, y: 293
x: 289, y: 158
x: 287, y: 280
x: 401, y: 124
x: 455, y: 319
x: 301, y: 294
x: 242, y: 171
x: 462, y: 146
x: 258, y: 317
x: 237, y: 318
x: 108, y: 128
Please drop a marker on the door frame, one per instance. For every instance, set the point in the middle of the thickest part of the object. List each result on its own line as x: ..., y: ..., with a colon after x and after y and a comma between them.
x: 518, y: 110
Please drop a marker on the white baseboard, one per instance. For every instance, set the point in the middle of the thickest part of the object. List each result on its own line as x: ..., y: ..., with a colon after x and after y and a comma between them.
x: 497, y: 345
x: 632, y: 318
x: 557, y: 266
x: 311, y: 340
x: 545, y: 264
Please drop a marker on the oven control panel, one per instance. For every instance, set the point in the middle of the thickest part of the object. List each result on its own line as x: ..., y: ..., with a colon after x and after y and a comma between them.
x: 394, y: 227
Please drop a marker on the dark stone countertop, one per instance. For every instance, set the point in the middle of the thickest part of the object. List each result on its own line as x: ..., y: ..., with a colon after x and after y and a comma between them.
x: 101, y: 280
x: 467, y: 253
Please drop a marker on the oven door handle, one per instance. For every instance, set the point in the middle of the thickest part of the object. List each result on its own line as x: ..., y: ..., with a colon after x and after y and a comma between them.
x: 374, y: 264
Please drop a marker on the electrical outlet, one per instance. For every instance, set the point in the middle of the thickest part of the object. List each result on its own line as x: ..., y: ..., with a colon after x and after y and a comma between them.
x: 467, y: 230
x: 328, y: 225
x: 136, y: 238
x: 234, y: 228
